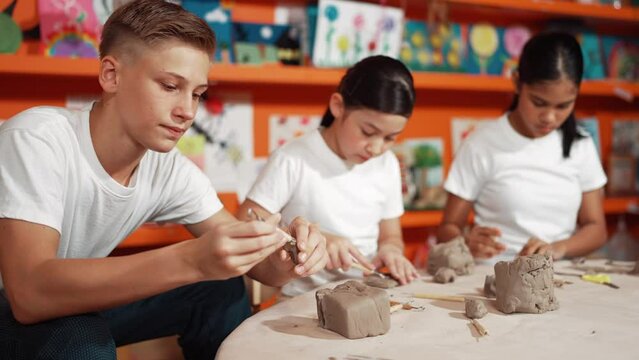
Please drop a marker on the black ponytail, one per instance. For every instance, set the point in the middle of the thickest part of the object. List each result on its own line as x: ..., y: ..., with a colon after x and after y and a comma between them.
x: 550, y: 56
x: 377, y: 83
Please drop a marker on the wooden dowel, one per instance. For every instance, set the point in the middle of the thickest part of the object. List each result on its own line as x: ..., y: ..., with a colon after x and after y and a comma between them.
x: 480, y: 329
x: 439, y: 297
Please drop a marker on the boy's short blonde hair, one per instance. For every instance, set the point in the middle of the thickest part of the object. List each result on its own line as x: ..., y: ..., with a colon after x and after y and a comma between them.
x: 150, y: 22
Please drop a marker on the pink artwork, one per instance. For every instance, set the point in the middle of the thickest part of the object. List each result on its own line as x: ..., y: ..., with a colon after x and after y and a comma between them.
x: 283, y: 128
x: 69, y: 28
x: 515, y: 37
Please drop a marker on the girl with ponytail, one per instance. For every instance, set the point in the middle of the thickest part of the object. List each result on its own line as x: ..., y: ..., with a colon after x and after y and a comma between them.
x: 533, y: 179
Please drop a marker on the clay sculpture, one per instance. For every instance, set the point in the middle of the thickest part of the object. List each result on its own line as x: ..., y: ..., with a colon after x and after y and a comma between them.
x: 453, y: 254
x: 489, y: 286
x: 525, y: 285
x: 354, y: 310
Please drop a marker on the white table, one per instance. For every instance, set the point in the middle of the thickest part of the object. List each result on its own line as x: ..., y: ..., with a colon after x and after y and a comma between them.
x: 593, y: 322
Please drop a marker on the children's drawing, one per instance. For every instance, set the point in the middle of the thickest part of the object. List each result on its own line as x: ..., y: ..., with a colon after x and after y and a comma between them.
x: 421, y: 163
x: 514, y: 39
x: 461, y: 128
x: 283, y: 128
x: 442, y: 48
x: 484, y: 43
x: 625, y: 143
x: 266, y: 43
x: 591, y: 126
x: 592, y: 55
x: 69, y: 28
x: 219, y: 19
x: 350, y: 31
x: 226, y: 124
x: 622, y: 57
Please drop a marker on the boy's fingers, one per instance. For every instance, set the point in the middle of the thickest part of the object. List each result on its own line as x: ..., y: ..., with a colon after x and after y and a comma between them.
x: 256, y: 244
x: 247, y: 229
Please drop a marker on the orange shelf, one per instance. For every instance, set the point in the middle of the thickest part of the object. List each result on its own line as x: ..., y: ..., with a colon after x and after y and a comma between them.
x: 558, y: 8
x: 621, y: 205
x: 413, y: 219
x: 30, y: 65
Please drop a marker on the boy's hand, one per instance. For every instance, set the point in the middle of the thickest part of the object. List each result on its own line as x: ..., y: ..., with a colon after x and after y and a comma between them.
x: 537, y: 246
x: 341, y: 253
x: 399, y: 266
x: 311, y: 247
x: 232, y: 249
x: 482, y: 244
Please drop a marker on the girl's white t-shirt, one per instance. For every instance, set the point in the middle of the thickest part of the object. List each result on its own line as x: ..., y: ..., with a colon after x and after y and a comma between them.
x: 306, y: 178
x: 523, y: 186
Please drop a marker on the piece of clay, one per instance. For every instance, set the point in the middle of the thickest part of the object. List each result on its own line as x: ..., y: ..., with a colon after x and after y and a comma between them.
x: 378, y: 282
x: 444, y: 275
x: 354, y: 310
x: 525, y: 285
x: 489, y: 286
x: 475, y: 309
x: 453, y: 254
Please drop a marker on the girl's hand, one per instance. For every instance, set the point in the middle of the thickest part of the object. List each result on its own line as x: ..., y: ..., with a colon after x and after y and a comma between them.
x: 482, y: 243
x: 341, y: 253
x: 537, y: 246
x: 399, y: 266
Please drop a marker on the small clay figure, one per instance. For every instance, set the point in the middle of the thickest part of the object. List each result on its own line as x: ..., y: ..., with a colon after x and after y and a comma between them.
x: 444, y: 275
x: 475, y: 309
x: 453, y: 254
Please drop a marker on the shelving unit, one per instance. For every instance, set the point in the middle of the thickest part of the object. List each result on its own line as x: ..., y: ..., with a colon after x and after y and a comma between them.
x: 555, y: 8
x: 33, y: 65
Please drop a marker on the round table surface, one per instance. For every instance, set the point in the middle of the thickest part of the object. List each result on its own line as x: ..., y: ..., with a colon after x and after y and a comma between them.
x: 593, y: 321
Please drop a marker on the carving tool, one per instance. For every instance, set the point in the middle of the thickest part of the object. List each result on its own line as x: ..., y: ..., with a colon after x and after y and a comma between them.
x: 291, y: 243
x: 366, y: 270
x: 603, y: 279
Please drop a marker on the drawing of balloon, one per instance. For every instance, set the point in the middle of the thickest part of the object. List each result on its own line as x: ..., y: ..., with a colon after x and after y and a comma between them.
x: 418, y: 39
x: 388, y: 24
x: 332, y: 14
x: 515, y: 37
x: 343, y: 44
x: 484, y: 41
x: 358, y: 24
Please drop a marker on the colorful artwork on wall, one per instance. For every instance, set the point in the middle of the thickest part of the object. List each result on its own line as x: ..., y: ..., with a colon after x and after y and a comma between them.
x: 283, y: 128
x: 441, y: 49
x: 219, y: 19
x: 69, y: 28
x: 349, y: 31
x: 421, y: 164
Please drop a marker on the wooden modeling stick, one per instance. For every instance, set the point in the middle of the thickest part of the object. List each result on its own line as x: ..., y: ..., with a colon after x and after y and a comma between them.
x: 480, y: 329
x: 454, y: 298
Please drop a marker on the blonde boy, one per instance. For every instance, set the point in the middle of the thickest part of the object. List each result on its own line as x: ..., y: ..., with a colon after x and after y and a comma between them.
x: 75, y: 184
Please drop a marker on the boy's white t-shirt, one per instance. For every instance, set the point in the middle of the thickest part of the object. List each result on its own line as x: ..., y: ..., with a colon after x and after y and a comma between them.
x: 50, y: 175
x: 306, y: 178
x: 524, y: 187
